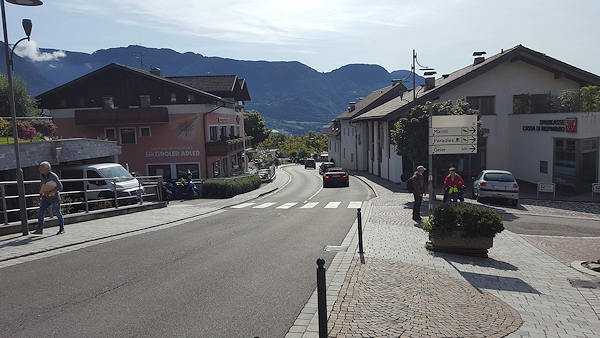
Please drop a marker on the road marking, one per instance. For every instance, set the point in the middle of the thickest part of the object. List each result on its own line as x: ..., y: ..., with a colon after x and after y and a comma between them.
x: 309, y: 205
x: 286, y: 206
x: 264, y: 205
x: 332, y: 205
x: 243, y: 205
x: 354, y: 205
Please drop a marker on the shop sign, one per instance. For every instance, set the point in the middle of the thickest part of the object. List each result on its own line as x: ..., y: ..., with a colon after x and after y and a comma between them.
x: 223, y: 119
x: 172, y: 152
x: 568, y: 125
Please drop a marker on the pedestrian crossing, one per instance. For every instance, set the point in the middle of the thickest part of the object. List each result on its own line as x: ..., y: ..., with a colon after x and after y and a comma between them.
x: 308, y: 205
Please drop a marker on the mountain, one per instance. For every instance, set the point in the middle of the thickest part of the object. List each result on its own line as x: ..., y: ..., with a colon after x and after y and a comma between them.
x: 291, y: 96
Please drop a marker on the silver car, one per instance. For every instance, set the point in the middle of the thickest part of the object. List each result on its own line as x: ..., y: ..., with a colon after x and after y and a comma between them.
x: 496, y: 184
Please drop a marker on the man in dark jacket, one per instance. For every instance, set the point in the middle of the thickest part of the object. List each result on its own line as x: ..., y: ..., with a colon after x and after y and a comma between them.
x: 419, y: 189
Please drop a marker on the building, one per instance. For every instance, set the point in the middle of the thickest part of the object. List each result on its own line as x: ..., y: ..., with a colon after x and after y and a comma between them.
x: 165, y: 125
x: 536, y: 145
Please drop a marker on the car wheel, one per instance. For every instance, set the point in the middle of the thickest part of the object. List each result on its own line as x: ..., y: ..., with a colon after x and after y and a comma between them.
x: 514, y: 202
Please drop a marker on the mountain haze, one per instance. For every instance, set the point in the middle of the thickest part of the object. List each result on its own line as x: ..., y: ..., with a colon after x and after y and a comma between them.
x: 291, y: 96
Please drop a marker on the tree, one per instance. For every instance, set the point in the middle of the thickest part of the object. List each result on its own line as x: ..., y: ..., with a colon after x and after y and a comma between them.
x: 411, y: 133
x: 25, y: 105
x: 255, y: 127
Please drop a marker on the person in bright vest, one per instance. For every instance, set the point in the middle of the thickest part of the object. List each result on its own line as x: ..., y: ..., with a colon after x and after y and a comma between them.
x: 452, y: 185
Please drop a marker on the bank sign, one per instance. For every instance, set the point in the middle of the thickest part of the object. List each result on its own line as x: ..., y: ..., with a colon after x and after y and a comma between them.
x: 568, y: 125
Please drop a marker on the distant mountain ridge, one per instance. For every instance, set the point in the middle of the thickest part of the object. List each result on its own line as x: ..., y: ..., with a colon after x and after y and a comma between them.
x: 281, y: 91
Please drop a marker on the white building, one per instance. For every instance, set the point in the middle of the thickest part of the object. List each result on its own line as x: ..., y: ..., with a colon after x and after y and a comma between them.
x: 537, y: 147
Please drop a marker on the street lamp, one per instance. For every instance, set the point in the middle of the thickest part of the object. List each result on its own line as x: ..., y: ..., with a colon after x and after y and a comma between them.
x: 9, y: 63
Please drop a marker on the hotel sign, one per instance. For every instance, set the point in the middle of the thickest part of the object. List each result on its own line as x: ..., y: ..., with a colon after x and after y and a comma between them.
x: 568, y: 125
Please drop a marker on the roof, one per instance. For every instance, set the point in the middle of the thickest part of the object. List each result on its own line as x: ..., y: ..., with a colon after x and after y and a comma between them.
x: 372, y: 100
x: 394, y: 108
x: 131, y: 70
x: 222, y: 85
x: 333, y: 130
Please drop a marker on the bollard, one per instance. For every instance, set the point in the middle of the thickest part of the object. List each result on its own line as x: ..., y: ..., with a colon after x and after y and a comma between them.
x: 322, y: 298
x: 360, y: 239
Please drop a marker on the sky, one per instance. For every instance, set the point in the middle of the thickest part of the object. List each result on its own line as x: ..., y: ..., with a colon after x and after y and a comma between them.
x: 324, y: 35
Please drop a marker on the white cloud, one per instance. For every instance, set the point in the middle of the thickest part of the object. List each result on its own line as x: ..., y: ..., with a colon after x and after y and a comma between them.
x: 31, y: 51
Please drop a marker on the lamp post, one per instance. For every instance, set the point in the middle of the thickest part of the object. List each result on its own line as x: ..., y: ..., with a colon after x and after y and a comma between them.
x: 9, y: 63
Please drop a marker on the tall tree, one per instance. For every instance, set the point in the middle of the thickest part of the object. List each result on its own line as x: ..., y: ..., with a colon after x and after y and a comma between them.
x: 255, y: 126
x: 25, y: 105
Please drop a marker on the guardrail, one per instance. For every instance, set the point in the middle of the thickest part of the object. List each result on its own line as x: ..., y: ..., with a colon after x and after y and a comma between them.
x: 149, y: 188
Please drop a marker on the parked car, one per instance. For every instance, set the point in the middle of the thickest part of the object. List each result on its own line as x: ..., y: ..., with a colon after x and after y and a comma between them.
x: 310, y: 163
x: 336, y: 177
x: 324, y: 166
x: 496, y: 184
x: 127, y: 186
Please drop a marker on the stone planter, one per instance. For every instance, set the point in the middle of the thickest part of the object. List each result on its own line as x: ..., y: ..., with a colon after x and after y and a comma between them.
x: 455, y: 243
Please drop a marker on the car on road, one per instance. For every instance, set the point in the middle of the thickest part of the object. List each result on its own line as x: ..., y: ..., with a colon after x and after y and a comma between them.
x: 310, y: 163
x: 324, y: 166
x: 496, y: 184
x: 335, y: 177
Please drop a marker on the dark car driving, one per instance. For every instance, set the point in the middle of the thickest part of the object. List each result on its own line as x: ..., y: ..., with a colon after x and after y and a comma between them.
x: 310, y: 163
x: 324, y: 166
x: 336, y: 177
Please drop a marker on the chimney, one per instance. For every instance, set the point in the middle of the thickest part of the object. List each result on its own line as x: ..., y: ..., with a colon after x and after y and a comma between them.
x: 156, y: 71
x: 429, y: 81
x: 479, y: 58
x: 352, y: 106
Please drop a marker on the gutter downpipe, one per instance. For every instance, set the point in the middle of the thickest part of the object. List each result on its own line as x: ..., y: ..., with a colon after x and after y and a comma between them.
x: 355, y: 145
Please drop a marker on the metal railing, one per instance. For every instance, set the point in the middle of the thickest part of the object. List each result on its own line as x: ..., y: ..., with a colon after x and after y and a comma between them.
x: 149, y: 188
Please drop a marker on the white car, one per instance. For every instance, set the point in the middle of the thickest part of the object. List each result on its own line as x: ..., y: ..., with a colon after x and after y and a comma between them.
x: 496, y: 184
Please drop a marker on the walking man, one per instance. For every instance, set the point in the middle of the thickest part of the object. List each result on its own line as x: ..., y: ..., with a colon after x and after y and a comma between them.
x: 49, y: 196
x: 419, y: 189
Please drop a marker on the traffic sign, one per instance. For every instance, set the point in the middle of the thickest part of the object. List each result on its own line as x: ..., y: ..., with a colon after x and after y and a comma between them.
x: 452, y: 149
x: 446, y: 121
x: 440, y: 131
x: 445, y: 140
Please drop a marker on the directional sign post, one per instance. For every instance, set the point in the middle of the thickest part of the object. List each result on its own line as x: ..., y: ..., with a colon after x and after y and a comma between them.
x: 455, y: 134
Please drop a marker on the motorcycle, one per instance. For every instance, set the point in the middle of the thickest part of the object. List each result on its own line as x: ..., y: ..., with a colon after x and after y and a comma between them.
x: 180, y: 189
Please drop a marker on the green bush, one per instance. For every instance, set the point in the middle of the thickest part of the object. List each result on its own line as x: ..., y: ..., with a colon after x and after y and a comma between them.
x: 473, y: 220
x: 229, y: 187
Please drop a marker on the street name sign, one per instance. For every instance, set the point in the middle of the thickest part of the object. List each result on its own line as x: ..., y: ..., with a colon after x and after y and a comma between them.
x: 455, y: 134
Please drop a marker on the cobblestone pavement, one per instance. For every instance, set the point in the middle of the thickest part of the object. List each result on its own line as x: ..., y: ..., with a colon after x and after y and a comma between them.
x: 400, y: 288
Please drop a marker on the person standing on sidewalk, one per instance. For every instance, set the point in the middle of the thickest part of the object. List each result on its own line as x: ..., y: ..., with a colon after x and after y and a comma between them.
x: 452, y: 185
x: 419, y: 189
x: 49, y: 196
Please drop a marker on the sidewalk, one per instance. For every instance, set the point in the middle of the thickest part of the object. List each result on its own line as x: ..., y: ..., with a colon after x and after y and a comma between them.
x: 401, y: 289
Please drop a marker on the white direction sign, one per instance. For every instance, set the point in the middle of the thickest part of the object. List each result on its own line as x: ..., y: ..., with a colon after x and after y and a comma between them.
x: 455, y: 134
x: 452, y: 149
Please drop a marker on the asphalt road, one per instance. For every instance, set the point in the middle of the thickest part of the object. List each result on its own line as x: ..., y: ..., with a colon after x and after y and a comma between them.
x: 243, y: 272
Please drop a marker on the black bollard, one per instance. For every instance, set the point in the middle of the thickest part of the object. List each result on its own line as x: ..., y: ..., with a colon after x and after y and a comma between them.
x: 322, y: 298
x: 360, y: 241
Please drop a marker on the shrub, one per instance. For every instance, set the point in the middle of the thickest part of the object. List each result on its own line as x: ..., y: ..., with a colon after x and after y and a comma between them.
x: 45, y: 127
x: 4, y: 127
x: 26, y: 130
x: 228, y: 187
x: 472, y: 220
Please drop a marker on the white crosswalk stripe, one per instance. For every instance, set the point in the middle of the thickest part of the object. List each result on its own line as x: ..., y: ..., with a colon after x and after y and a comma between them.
x: 332, y: 205
x: 243, y: 205
x: 264, y: 205
x: 286, y: 205
x: 355, y: 205
x: 309, y: 205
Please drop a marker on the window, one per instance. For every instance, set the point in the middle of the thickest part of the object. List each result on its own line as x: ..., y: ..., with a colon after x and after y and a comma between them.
x: 213, y: 133
x: 232, y: 131
x: 145, y: 131
x: 223, y: 133
x: 173, y: 97
x: 238, y: 131
x: 163, y: 170
x: 144, y: 101
x: 127, y: 135
x: 543, y: 167
x: 63, y: 103
x: 109, y: 133
x: 485, y: 104
x: 182, y: 170
x: 80, y: 101
x: 108, y: 103
x: 191, y: 98
x: 531, y: 103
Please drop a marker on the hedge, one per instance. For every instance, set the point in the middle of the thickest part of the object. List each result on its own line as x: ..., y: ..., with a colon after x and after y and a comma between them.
x: 229, y: 187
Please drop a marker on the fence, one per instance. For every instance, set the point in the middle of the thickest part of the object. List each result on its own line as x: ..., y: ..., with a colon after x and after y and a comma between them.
x: 149, y: 188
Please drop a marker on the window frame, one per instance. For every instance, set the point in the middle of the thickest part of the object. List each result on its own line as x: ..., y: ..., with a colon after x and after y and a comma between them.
x: 144, y: 128
x: 114, y: 133
x: 121, y: 129
x: 479, y: 100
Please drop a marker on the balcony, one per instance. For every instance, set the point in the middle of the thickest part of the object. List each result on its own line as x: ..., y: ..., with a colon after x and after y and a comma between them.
x: 98, y: 117
x: 227, y: 148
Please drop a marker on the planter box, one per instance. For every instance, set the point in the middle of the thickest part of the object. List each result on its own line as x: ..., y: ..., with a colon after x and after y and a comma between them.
x: 455, y: 243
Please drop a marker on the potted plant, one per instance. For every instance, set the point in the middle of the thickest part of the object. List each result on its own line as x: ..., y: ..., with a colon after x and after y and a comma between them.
x: 462, y: 228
